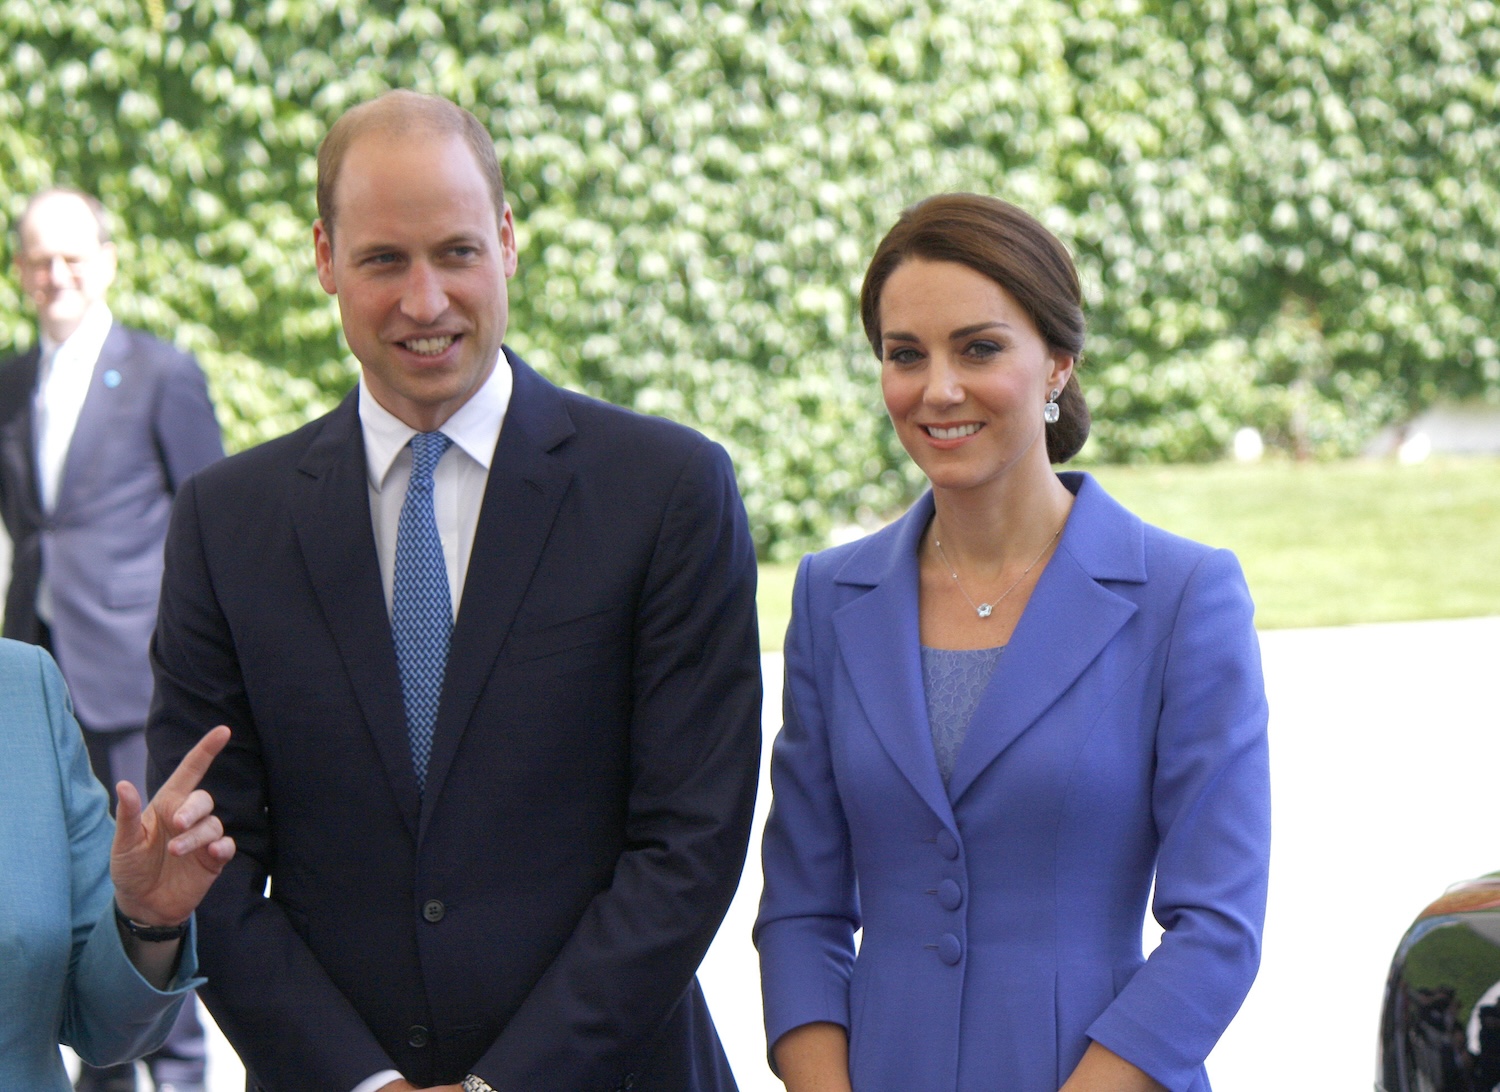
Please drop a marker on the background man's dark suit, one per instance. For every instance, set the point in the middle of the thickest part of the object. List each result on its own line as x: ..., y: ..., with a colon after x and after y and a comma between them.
x: 537, y: 916
x: 145, y: 426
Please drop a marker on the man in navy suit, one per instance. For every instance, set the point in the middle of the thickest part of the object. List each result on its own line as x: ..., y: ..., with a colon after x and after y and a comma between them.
x: 99, y: 427
x: 489, y: 651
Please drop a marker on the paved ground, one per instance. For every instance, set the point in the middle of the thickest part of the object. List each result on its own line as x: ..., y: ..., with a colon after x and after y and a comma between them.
x: 1385, y: 746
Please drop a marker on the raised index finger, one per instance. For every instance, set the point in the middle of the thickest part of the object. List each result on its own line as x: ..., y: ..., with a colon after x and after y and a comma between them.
x: 194, y: 765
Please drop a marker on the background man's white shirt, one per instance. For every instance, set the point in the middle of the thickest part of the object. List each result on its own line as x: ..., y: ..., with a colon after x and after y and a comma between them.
x: 63, y: 378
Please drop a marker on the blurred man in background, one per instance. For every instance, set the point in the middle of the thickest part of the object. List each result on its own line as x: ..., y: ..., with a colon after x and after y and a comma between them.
x: 99, y: 426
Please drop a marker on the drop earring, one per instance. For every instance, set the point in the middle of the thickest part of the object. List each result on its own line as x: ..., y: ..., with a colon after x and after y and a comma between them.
x: 1052, y: 411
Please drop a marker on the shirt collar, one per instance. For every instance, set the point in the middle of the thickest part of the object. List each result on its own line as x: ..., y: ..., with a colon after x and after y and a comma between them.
x: 474, y: 427
x: 86, y: 342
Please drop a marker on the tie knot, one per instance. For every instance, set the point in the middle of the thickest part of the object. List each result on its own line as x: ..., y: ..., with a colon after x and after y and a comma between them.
x: 426, y: 449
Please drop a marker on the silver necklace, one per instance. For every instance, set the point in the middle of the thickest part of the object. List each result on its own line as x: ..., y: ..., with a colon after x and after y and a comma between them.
x: 984, y: 610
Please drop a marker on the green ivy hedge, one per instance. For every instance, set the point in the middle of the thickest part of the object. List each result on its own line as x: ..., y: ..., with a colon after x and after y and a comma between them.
x: 1286, y: 213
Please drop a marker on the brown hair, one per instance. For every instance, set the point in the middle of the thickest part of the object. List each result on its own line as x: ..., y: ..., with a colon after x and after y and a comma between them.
x: 399, y: 112
x: 1011, y: 248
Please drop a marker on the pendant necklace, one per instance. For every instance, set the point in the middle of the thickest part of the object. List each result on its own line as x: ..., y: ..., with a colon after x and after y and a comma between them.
x: 984, y: 610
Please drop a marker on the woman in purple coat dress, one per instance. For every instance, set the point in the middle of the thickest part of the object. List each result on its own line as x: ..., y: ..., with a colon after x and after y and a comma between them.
x: 1006, y: 715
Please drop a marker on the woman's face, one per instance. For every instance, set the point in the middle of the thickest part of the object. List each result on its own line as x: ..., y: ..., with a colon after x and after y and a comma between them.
x: 964, y: 373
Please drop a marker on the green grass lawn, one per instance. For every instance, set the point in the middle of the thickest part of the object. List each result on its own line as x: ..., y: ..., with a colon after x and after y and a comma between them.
x: 1323, y: 544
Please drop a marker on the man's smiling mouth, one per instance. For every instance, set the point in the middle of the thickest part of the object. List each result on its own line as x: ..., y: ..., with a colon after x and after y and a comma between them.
x: 428, y: 346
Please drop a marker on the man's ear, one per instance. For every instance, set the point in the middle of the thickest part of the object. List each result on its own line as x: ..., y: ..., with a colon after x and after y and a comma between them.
x: 509, y: 249
x: 323, y: 253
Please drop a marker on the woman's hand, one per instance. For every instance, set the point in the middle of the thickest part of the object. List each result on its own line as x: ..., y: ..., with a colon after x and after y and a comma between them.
x: 166, y: 856
x: 1102, y: 1070
x: 814, y: 1058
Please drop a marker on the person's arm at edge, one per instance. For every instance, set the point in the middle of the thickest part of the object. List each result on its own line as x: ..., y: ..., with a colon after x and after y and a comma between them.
x: 111, y: 1012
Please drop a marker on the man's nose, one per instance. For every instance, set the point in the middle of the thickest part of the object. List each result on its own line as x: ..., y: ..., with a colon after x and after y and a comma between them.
x: 424, y: 299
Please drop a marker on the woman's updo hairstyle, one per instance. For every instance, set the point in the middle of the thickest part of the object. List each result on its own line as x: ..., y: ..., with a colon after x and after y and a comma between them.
x: 1011, y: 248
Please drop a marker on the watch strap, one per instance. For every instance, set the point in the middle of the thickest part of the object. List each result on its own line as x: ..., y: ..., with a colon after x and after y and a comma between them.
x: 155, y: 934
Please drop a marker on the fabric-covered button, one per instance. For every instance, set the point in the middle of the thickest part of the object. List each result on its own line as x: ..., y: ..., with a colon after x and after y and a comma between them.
x: 950, y: 951
x: 949, y: 895
x: 947, y: 845
x: 433, y: 910
x: 417, y: 1036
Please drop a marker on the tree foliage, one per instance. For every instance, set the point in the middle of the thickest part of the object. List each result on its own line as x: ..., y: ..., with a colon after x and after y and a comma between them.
x: 1286, y: 213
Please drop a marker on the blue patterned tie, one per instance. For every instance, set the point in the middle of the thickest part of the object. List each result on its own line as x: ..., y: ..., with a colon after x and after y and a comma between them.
x: 421, y: 607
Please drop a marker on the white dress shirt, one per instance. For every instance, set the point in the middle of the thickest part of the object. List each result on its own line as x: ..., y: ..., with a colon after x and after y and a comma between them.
x: 458, y: 480
x: 458, y: 483
x: 62, y: 385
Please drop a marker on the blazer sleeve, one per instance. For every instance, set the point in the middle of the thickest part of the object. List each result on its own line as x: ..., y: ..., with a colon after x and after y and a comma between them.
x: 110, y: 1013
x: 266, y: 988
x: 809, y: 908
x: 186, y: 429
x: 694, y: 764
x: 1211, y: 803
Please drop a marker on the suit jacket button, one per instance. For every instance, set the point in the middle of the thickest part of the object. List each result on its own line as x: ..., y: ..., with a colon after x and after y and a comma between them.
x: 417, y: 1036
x: 949, y: 895
x: 947, y: 845
x: 433, y: 910
x: 950, y: 951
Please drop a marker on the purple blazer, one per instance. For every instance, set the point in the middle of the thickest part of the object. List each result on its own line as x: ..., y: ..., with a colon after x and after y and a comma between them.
x: 146, y: 425
x: 1122, y: 738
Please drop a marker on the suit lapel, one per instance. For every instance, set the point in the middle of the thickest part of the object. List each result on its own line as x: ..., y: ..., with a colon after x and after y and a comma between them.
x: 94, y: 414
x: 521, y: 500
x: 1067, y: 623
x: 331, y: 514
x: 18, y: 435
x: 879, y: 643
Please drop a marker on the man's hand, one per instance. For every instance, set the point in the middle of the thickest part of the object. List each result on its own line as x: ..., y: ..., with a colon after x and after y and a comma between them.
x: 407, y: 1086
x: 166, y: 856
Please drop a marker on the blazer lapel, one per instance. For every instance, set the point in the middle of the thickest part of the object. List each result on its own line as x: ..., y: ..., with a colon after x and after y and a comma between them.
x: 521, y: 500
x: 18, y: 436
x: 94, y: 414
x: 879, y: 643
x: 331, y: 514
x: 1068, y: 622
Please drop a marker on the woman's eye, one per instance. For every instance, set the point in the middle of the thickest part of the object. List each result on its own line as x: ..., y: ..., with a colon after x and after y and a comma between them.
x: 982, y: 349
x: 903, y: 357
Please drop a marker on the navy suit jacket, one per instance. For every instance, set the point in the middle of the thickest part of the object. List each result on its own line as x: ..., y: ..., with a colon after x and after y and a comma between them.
x: 1121, y: 737
x: 146, y: 425
x: 538, y: 914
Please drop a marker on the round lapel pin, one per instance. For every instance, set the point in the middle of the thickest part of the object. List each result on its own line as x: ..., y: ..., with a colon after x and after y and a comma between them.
x: 111, y: 379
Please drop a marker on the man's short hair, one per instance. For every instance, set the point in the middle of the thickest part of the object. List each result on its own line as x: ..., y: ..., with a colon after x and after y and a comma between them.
x: 95, y: 206
x: 397, y: 113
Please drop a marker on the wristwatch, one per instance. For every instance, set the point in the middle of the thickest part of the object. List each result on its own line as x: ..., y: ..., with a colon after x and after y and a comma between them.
x: 477, y: 1084
x: 153, y: 933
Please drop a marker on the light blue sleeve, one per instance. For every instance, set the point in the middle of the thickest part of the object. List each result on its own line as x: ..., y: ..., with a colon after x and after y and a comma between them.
x: 110, y: 1013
